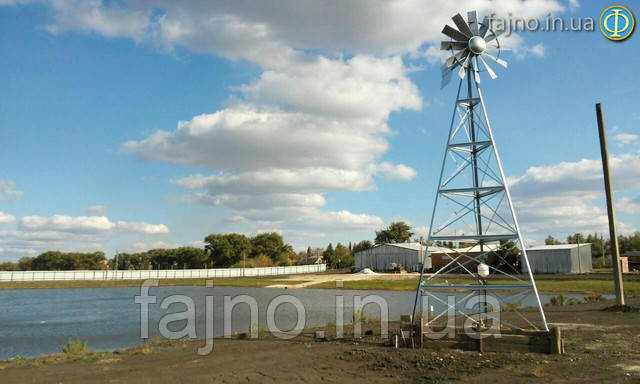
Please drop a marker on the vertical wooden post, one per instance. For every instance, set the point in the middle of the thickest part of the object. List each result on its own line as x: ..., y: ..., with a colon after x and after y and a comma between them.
x: 556, y: 341
x: 613, y: 234
x: 421, y: 329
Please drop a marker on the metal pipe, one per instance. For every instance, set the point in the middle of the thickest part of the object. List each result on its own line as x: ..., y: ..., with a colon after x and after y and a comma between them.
x: 474, y: 154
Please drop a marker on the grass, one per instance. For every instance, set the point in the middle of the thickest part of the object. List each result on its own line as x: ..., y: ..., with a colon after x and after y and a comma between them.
x: 585, y: 286
x: 76, y: 350
x: 236, y: 282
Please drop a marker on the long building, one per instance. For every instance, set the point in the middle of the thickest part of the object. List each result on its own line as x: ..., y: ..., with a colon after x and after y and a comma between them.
x: 561, y: 258
x: 382, y: 257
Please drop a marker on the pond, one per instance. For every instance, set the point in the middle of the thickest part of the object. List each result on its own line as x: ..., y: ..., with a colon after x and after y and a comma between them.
x: 36, y: 322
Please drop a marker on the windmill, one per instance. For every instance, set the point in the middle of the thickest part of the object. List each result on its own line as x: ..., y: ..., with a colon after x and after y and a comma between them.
x: 474, y: 239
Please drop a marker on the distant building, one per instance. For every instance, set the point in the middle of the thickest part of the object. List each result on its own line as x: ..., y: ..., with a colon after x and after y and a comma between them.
x: 310, y: 260
x: 633, y: 259
x: 443, y: 257
x: 561, y: 258
x: 383, y: 257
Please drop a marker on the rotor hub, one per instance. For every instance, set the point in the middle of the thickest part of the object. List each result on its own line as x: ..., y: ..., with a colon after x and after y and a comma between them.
x: 477, y: 45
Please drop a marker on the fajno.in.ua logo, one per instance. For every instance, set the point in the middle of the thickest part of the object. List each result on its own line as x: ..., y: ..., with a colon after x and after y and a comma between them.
x: 616, y: 22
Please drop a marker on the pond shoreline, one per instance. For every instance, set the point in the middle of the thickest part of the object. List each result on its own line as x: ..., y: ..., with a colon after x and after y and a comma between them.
x: 592, y: 284
x: 366, y: 360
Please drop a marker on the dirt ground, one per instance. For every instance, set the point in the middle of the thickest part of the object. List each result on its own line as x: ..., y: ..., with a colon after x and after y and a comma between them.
x: 601, y: 346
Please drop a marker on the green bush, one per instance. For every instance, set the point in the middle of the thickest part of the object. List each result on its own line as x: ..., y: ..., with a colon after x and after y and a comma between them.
x: 558, y: 301
x: 593, y: 299
x: 359, y: 316
x: 74, y: 348
x: 262, y: 331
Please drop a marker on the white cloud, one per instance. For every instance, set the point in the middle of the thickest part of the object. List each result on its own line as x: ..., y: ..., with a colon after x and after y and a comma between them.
x: 537, y: 50
x: 361, y: 87
x: 626, y: 139
x: 263, y: 33
x: 142, y: 246
x: 8, y: 191
x: 96, y: 210
x: 395, y: 172
x: 520, y: 49
x: 6, y: 218
x: 318, y: 128
x: 574, y: 4
x: 14, y: 2
x: 63, y: 223
x: 150, y: 229
x: 271, y: 181
x: 37, y: 234
x: 94, y: 16
x: 584, y: 176
x: 567, y: 197
x: 315, y: 120
x: 421, y: 231
x: 631, y: 206
x: 86, y: 224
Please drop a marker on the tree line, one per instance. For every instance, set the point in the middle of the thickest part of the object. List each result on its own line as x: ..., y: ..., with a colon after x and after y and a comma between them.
x: 58, y: 261
x: 220, y: 251
x: 600, y: 246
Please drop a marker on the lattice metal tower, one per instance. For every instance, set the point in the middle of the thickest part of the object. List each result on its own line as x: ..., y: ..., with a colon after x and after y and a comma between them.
x: 474, y: 239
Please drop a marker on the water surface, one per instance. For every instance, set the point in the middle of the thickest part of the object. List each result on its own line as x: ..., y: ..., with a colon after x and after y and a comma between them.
x: 38, y: 321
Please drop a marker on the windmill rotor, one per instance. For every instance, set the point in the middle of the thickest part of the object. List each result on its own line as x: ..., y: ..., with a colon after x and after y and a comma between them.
x: 471, y: 44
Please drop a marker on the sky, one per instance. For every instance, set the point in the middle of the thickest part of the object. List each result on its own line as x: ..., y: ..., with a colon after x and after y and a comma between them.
x: 137, y: 124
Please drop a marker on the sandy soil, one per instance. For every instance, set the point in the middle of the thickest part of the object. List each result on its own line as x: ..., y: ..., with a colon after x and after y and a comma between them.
x: 602, y: 346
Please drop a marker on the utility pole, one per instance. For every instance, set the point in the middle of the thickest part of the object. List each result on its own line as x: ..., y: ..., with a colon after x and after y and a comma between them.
x: 116, y: 266
x: 613, y: 235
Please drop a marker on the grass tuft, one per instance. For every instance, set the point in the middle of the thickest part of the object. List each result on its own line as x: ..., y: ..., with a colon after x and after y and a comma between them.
x: 74, y: 348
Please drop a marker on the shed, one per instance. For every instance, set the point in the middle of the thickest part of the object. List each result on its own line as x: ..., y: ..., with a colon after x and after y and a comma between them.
x: 561, y: 258
x: 382, y: 256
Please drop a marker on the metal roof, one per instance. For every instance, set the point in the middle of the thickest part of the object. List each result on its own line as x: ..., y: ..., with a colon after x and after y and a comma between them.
x: 436, y: 249
x: 556, y: 246
x: 414, y: 246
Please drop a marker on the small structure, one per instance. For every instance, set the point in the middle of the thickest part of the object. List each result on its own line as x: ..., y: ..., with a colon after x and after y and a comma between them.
x: 311, y: 260
x: 561, y: 258
x: 633, y: 259
x: 441, y: 257
x: 384, y: 257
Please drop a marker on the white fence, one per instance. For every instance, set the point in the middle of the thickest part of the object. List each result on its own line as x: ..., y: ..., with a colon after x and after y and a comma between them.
x: 158, y: 274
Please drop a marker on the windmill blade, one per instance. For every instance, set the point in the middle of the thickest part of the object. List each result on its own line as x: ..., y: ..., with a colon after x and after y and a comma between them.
x: 476, y: 75
x: 462, y: 25
x: 496, y: 59
x: 488, y: 68
x: 457, y: 58
x: 473, y: 22
x: 452, y: 45
x: 484, y: 27
x: 447, y: 74
x: 463, y: 67
x: 493, y: 36
x: 454, y: 34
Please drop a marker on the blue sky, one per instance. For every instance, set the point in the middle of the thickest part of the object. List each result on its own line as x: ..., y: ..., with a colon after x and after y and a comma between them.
x: 321, y: 124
